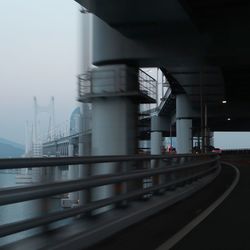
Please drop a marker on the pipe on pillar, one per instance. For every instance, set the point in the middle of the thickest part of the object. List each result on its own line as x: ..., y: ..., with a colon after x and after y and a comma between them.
x: 86, y: 62
x: 84, y: 149
x: 83, y: 169
x: 183, y: 124
x: 72, y: 173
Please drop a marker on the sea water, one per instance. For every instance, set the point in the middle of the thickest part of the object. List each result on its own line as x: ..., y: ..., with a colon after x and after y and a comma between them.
x: 20, y: 211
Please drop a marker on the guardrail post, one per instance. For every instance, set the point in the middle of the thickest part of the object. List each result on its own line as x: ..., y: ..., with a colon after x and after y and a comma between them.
x: 173, y: 163
x: 44, y: 202
x: 182, y: 160
x: 122, y: 187
x: 85, y: 195
x: 161, y: 178
x: 148, y: 181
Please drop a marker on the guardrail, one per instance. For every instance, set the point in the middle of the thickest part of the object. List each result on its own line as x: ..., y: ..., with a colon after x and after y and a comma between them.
x: 147, y: 84
x: 165, y: 172
x: 242, y: 151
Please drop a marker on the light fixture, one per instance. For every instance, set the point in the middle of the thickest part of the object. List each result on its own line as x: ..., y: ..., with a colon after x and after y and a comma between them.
x: 224, y: 101
x: 229, y: 119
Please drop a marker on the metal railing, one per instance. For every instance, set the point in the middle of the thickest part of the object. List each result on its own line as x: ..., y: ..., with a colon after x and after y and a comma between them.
x: 147, y: 84
x: 84, y: 84
x: 164, y: 172
x: 240, y: 151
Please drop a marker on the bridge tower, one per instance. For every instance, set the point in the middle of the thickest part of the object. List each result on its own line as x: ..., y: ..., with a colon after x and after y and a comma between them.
x: 50, y: 109
x: 35, y: 149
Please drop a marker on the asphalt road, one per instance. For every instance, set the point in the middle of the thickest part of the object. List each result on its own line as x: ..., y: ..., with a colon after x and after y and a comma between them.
x: 213, y: 233
x: 228, y: 226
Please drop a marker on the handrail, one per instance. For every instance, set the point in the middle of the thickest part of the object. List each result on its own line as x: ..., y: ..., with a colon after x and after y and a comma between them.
x: 149, y: 76
x: 14, y: 195
x: 167, y: 171
x: 15, y: 163
x: 55, y: 216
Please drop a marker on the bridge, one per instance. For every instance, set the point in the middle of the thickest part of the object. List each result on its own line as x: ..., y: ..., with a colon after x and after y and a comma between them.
x: 121, y: 197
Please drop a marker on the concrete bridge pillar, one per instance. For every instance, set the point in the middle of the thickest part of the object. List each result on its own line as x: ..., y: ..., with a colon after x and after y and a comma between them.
x: 114, y: 119
x: 156, y: 142
x: 158, y: 125
x: 156, y: 146
x: 183, y: 124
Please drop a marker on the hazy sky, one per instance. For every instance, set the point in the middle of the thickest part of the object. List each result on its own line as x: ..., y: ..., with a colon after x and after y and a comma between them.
x: 39, y: 44
x: 229, y: 140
